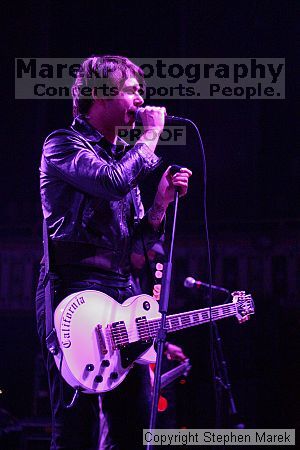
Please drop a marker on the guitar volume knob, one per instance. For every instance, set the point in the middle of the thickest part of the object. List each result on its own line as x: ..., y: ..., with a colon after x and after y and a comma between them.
x: 90, y: 367
x: 114, y: 375
x: 105, y: 363
x: 98, y: 379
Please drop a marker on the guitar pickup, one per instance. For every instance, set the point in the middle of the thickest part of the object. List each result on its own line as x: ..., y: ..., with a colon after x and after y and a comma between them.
x: 143, y: 329
x: 119, y: 334
x: 101, y: 340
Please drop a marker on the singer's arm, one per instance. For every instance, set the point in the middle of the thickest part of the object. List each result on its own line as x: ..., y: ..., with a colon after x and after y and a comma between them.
x: 153, y: 119
x: 166, y: 192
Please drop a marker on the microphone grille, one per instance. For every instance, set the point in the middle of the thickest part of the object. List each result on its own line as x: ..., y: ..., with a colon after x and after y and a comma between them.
x: 189, y: 282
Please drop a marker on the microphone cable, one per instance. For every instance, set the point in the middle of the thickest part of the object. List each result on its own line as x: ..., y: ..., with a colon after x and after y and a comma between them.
x: 211, y: 331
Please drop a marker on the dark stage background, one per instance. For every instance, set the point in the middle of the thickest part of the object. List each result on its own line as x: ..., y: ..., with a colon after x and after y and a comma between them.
x: 253, y: 194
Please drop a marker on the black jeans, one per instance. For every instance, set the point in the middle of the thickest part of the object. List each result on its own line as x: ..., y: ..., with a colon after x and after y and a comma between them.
x: 126, y: 409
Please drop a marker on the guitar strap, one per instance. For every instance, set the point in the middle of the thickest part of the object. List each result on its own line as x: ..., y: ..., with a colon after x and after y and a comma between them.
x: 137, y: 221
x: 51, y: 338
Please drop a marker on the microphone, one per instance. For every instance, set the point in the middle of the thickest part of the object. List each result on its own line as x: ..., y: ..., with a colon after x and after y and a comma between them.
x: 174, y: 169
x: 190, y: 283
x: 168, y: 119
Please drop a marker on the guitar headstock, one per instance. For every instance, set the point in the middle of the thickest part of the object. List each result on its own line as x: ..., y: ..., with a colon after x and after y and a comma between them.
x: 244, y: 305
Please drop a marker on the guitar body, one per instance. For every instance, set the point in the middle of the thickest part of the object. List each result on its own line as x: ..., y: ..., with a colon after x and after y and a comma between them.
x: 88, y: 358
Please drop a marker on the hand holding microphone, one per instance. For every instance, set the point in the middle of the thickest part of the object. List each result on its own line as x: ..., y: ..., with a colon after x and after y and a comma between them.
x: 151, y: 117
x: 153, y: 121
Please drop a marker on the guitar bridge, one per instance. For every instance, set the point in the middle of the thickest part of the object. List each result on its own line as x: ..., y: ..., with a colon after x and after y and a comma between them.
x: 101, y: 339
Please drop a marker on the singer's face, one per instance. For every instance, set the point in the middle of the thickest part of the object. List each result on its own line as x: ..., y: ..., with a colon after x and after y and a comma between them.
x: 122, y: 108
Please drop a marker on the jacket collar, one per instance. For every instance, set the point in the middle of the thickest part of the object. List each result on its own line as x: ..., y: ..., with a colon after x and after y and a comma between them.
x: 82, y: 126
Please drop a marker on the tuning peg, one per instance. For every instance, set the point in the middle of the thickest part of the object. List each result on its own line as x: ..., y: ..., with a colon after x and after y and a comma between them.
x: 243, y: 319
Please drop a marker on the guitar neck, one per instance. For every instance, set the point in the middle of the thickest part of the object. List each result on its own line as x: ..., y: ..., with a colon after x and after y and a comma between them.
x: 189, y: 319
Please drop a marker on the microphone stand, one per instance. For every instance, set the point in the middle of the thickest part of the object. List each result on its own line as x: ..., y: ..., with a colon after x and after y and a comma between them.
x: 163, y: 309
x: 222, y: 378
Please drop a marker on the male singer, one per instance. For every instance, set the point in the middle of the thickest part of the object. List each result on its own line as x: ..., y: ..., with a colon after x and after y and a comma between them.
x: 89, y: 184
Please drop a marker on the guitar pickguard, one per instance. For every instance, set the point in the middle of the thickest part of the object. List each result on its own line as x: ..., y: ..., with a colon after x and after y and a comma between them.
x: 132, y: 352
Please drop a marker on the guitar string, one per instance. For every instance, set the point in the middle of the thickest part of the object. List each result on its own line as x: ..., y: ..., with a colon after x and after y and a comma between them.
x: 177, y: 322
x: 153, y: 324
x: 185, y: 320
x: 151, y: 327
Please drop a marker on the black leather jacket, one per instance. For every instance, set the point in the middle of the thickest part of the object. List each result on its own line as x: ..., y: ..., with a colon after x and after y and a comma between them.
x: 87, y: 186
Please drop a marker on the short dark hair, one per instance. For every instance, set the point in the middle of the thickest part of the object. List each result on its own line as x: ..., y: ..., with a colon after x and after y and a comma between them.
x: 97, y: 70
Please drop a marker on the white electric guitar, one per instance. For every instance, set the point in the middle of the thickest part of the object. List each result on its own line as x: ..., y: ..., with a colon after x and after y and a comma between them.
x: 100, y: 339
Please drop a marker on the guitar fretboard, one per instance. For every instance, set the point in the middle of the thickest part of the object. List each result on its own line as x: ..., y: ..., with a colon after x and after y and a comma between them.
x: 180, y: 321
